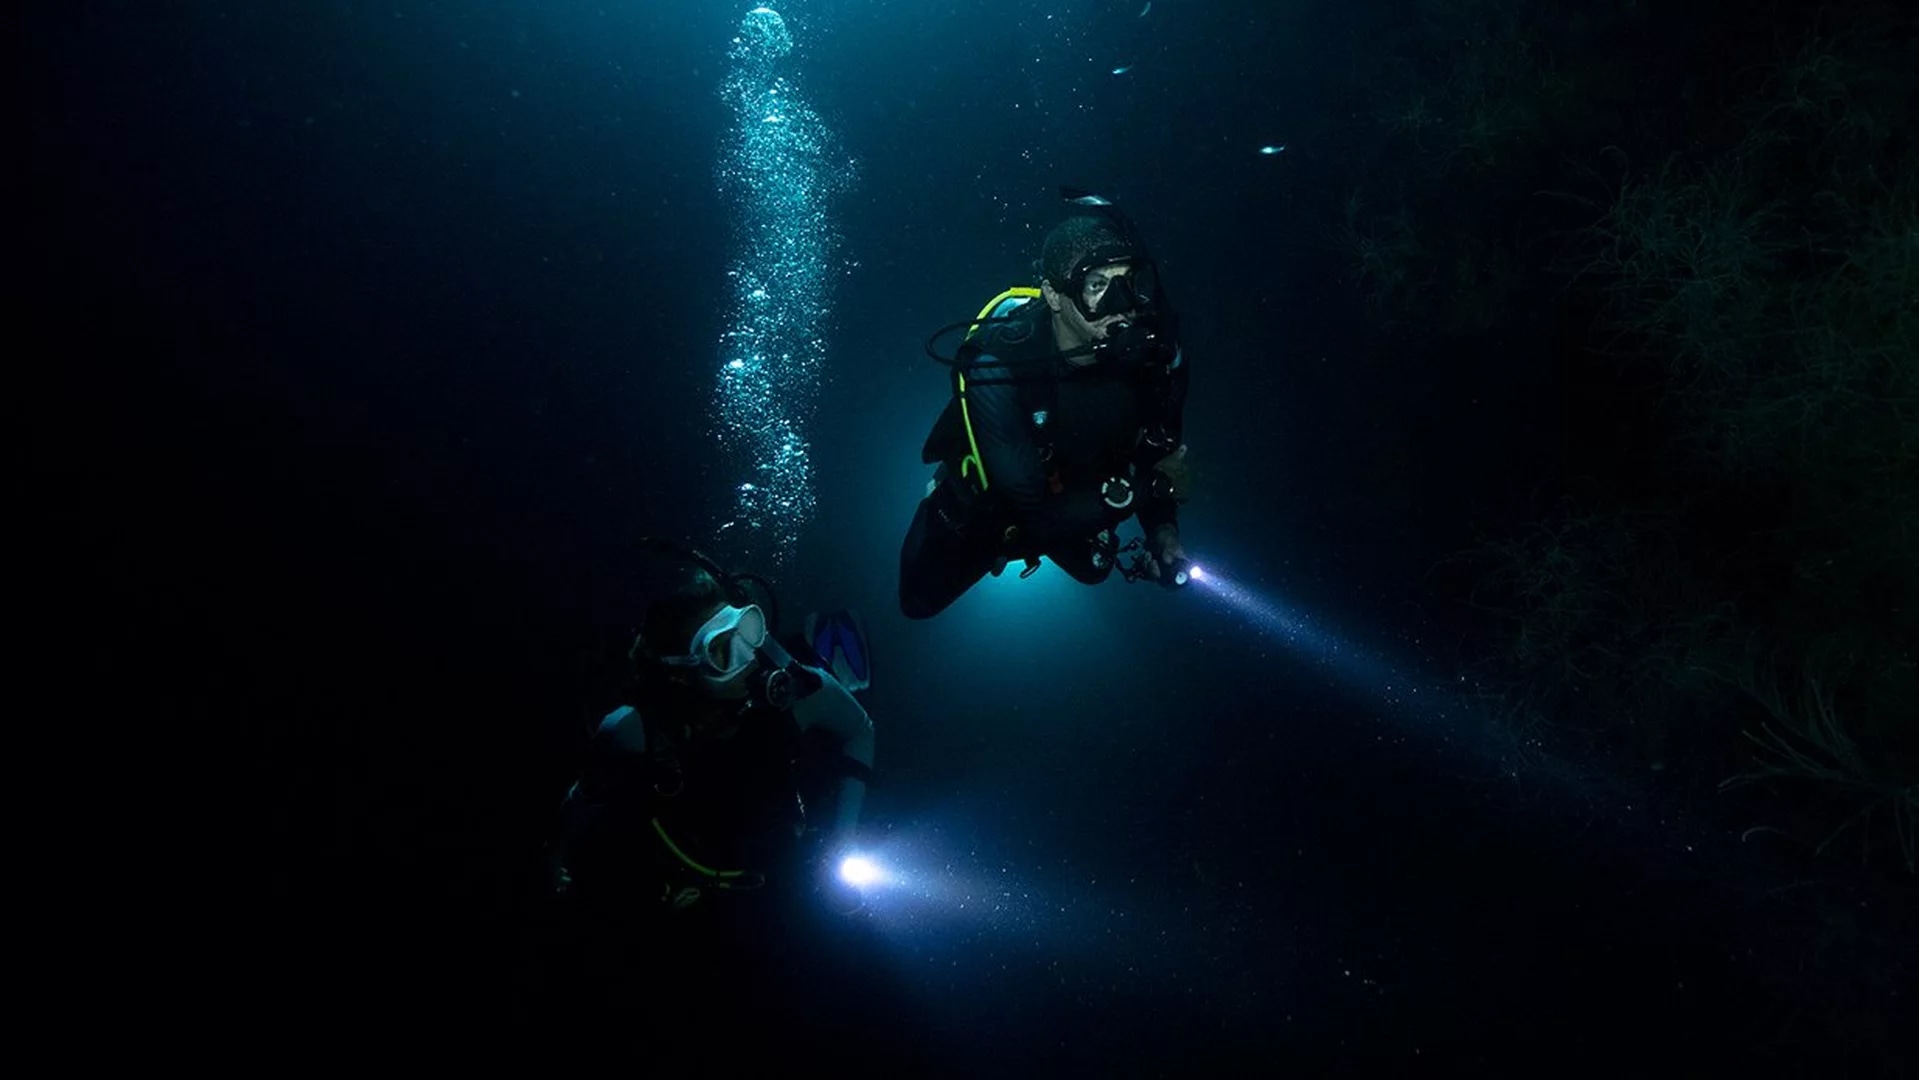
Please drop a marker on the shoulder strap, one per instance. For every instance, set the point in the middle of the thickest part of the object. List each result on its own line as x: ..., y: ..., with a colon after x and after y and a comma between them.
x: 1007, y: 302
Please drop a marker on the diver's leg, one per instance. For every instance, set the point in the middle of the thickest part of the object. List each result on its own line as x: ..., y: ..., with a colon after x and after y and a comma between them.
x: 937, y: 563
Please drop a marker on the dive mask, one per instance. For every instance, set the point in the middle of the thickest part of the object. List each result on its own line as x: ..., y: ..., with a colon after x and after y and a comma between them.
x: 1099, y: 295
x: 726, y: 644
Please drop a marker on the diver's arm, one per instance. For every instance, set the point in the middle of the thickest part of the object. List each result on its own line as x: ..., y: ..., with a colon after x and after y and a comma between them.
x: 618, y: 743
x: 831, y: 708
x: 1155, y: 514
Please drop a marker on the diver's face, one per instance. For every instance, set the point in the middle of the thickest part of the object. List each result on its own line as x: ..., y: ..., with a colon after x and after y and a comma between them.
x: 1071, y: 326
x: 735, y: 688
x: 1094, y: 291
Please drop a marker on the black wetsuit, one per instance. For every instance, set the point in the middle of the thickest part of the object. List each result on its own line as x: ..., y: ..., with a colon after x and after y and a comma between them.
x: 1043, y: 478
x: 651, y: 936
x: 723, y: 801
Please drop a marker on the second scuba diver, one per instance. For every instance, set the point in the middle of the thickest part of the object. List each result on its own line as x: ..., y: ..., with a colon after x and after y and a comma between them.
x: 706, y: 783
x: 1066, y: 420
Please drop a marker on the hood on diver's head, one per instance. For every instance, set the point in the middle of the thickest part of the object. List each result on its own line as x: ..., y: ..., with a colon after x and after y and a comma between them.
x: 1072, y: 242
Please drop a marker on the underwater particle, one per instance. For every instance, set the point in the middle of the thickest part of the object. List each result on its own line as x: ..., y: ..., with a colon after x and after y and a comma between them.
x: 1147, y: 8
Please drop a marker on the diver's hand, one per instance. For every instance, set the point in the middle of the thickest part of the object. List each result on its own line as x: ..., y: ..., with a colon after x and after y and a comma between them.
x: 843, y: 899
x: 842, y: 896
x: 1171, y: 477
x: 1165, y: 551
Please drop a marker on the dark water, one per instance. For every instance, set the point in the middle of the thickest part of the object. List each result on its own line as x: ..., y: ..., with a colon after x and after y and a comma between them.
x: 374, y: 334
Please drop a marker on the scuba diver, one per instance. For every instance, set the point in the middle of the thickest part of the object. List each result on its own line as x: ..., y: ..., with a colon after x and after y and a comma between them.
x: 705, y: 788
x: 1065, y: 421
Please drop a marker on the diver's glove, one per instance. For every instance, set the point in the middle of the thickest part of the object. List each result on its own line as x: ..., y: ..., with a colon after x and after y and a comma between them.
x: 841, y: 898
x: 840, y: 895
x: 1166, y: 560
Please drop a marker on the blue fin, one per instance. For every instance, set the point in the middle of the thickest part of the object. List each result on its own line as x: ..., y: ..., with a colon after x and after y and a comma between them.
x: 839, y: 637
